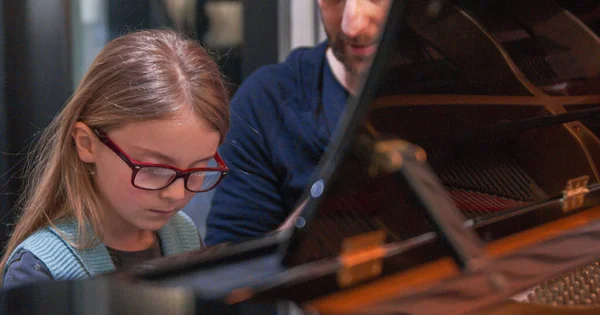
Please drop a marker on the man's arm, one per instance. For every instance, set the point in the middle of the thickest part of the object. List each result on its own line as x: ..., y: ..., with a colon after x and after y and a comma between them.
x: 247, y: 203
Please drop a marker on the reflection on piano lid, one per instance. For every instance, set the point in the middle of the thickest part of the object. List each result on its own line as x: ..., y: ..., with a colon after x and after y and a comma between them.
x: 462, y: 177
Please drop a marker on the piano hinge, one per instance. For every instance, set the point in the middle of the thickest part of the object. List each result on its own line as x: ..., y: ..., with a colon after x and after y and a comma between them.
x: 388, y: 156
x: 361, y: 258
x: 574, y: 193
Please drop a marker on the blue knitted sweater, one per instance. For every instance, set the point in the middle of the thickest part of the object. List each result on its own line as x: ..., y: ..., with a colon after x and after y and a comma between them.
x: 53, y: 246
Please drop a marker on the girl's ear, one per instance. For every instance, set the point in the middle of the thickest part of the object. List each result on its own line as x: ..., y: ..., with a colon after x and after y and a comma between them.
x: 85, y: 141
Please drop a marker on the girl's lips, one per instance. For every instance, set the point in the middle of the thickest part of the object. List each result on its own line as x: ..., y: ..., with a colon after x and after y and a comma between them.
x: 162, y: 212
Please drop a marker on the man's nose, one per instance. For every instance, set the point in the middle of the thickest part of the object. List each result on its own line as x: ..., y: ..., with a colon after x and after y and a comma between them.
x: 175, y: 191
x: 354, y: 18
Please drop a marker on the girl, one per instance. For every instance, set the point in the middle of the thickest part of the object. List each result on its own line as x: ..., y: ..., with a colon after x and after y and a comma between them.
x: 110, y: 173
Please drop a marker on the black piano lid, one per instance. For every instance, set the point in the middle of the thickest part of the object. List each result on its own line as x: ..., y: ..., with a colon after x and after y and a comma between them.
x: 486, y: 93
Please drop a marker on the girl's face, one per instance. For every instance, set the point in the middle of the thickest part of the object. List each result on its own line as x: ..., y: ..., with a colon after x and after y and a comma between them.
x: 181, y: 141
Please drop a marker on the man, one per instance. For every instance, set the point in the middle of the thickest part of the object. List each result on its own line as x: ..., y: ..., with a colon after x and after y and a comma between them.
x: 282, y: 119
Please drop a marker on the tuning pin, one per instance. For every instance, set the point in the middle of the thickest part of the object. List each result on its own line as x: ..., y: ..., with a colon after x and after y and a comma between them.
x: 539, y: 293
x: 561, y: 286
x: 555, y: 290
x: 571, y: 292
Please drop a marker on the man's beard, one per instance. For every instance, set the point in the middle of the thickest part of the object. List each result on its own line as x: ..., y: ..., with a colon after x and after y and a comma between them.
x: 350, y: 63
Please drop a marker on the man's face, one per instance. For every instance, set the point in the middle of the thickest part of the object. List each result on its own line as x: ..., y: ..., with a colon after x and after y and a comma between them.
x: 353, y: 28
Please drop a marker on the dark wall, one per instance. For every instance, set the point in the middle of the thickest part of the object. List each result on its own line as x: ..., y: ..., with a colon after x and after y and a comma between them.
x: 131, y: 15
x: 260, y: 35
x: 38, y: 76
x: 4, y: 201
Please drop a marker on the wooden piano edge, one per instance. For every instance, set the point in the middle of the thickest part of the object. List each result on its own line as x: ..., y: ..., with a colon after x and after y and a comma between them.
x: 431, y: 274
x: 459, y: 99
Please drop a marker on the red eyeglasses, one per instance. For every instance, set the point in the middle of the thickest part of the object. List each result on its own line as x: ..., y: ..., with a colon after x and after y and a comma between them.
x: 150, y: 176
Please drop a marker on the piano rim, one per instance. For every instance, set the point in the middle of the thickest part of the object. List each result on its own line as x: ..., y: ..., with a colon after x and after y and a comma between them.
x: 427, y: 278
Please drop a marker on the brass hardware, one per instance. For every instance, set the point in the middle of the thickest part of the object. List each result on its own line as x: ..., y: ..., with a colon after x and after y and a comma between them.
x: 574, y: 193
x: 371, y: 130
x: 239, y: 295
x: 388, y: 156
x: 361, y: 258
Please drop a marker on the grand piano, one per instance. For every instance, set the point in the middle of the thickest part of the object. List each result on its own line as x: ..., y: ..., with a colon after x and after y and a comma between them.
x: 463, y: 178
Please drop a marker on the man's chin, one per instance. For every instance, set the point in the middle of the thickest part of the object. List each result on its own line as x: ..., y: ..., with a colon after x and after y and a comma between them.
x: 352, y: 64
x: 358, y: 69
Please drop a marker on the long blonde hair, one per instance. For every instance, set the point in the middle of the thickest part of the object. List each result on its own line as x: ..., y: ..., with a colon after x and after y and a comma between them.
x: 144, y: 75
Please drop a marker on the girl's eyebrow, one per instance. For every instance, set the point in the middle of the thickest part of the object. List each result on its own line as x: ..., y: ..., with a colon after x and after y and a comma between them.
x: 166, y: 158
x: 156, y: 154
x: 203, y: 159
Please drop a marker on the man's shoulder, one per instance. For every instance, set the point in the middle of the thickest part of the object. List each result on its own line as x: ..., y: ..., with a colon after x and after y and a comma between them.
x: 302, y: 56
x: 300, y: 67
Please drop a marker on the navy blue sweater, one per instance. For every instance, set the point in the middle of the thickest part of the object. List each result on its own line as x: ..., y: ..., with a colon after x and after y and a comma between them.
x: 282, y: 117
